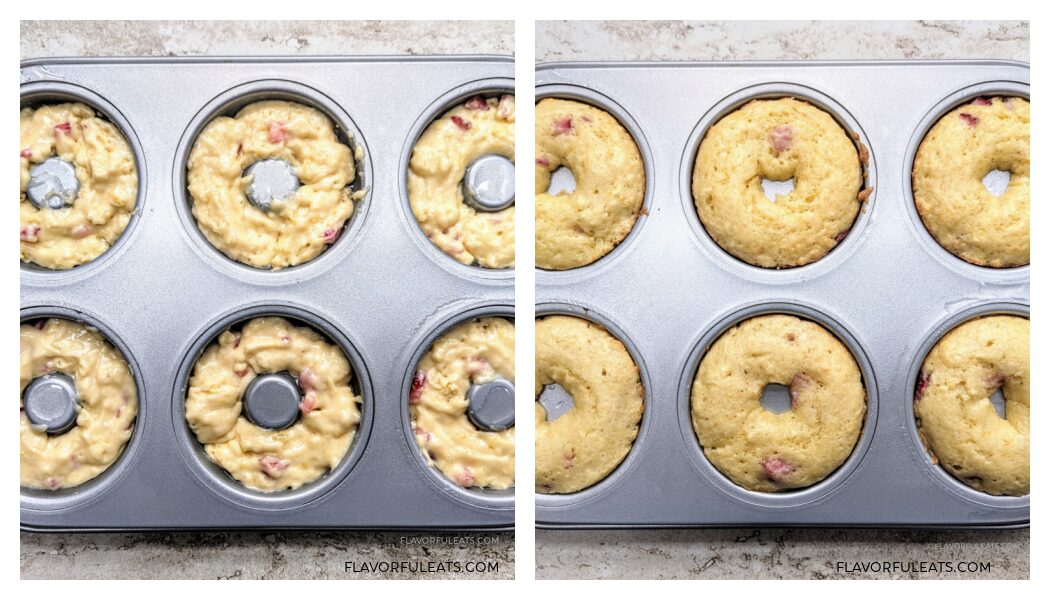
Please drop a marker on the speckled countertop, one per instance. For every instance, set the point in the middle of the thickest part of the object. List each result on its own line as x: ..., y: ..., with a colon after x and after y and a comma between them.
x: 774, y: 553
x: 243, y: 555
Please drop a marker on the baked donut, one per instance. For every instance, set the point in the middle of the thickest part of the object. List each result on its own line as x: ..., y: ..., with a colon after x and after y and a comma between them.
x: 959, y: 212
x: 955, y: 418
x: 63, y: 238
x: 106, y: 396
x: 584, y: 445
x: 474, y: 352
x: 755, y: 448
x: 778, y: 140
x: 267, y: 459
x: 294, y: 230
x: 440, y: 159
x: 576, y: 229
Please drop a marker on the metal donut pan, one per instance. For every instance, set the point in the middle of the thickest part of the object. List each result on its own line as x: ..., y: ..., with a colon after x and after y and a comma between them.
x: 888, y: 291
x: 380, y: 290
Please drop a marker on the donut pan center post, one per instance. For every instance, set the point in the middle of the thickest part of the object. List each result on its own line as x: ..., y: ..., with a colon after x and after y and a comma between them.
x: 53, y: 183
x: 996, y: 182
x: 488, y: 184
x: 273, y: 180
x: 490, y: 405
x: 562, y: 180
x: 50, y: 402
x: 998, y: 402
x: 556, y: 401
x: 272, y: 400
x: 776, y: 398
x: 774, y: 189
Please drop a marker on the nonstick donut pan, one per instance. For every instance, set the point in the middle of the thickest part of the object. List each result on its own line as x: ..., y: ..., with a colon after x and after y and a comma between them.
x: 888, y: 291
x: 381, y: 291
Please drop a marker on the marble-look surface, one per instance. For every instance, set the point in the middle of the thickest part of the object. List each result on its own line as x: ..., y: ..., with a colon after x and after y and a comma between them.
x: 773, y: 553
x: 303, y: 555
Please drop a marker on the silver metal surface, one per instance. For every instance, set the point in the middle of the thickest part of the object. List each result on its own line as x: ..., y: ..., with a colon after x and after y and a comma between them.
x: 776, y: 398
x: 555, y: 401
x: 273, y: 180
x: 53, y: 183
x: 996, y: 181
x: 562, y: 180
x: 488, y: 184
x: 163, y: 293
x: 50, y: 402
x: 773, y: 189
x: 272, y: 400
x: 888, y: 291
x: 490, y: 405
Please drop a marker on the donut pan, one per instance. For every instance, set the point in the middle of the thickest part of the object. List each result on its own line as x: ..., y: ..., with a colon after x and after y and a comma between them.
x: 888, y: 291
x: 382, y: 292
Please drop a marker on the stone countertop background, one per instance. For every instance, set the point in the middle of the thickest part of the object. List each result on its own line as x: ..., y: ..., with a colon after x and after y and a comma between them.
x: 248, y: 555
x: 775, y: 553
x: 730, y: 553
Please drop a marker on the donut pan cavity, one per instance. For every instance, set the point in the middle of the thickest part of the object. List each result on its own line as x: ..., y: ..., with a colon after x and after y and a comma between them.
x: 888, y: 291
x: 164, y: 293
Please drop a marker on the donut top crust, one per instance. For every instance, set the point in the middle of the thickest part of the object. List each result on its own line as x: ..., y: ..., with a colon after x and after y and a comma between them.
x: 106, y: 393
x: 294, y: 230
x: 777, y: 140
x: 267, y: 459
x: 573, y: 230
x: 474, y: 352
x: 959, y: 212
x: 105, y: 168
x: 584, y: 445
x: 440, y: 158
x: 956, y: 420
x: 766, y: 452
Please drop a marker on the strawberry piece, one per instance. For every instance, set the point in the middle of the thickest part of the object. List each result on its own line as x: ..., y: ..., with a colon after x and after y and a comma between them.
x: 562, y: 126
x: 53, y: 482
x: 505, y: 109
x: 920, y: 387
x: 799, y: 383
x: 465, y: 478
x: 330, y: 234
x: 278, y: 133
x: 543, y: 162
x: 81, y: 231
x: 981, y: 101
x: 29, y: 233
x: 780, y: 138
x: 26, y: 152
x: 460, y: 122
x: 308, y: 380
x: 419, y: 380
x: 308, y: 404
x: 971, y: 120
x: 423, y: 434
x: 777, y: 468
x: 64, y: 128
x: 840, y: 236
x: 477, y: 103
x: 272, y: 466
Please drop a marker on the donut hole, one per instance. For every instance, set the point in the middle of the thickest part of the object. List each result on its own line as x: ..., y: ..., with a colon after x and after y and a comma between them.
x: 774, y: 189
x: 998, y: 401
x: 996, y: 181
x: 556, y: 401
x: 562, y: 180
x: 776, y: 398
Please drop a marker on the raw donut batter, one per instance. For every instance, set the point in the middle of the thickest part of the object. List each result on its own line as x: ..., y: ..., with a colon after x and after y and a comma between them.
x: 471, y: 353
x: 294, y: 230
x: 584, y: 445
x: 766, y: 452
x: 573, y: 230
x: 778, y: 140
x: 953, y: 159
x: 267, y: 459
x: 106, y: 394
x: 956, y: 420
x: 440, y: 158
x: 66, y: 237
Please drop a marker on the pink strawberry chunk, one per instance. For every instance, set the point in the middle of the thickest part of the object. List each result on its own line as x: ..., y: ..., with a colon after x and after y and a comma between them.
x: 29, y: 233
x: 460, y: 122
x: 465, y: 477
x: 777, y: 468
x: 330, y: 234
x: 971, y: 120
x: 562, y: 126
x: 278, y: 133
x: 924, y: 382
x: 272, y: 466
x: 419, y: 380
x: 780, y: 138
x: 477, y: 103
x: 505, y: 109
x: 64, y: 127
x: 308, y: 380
